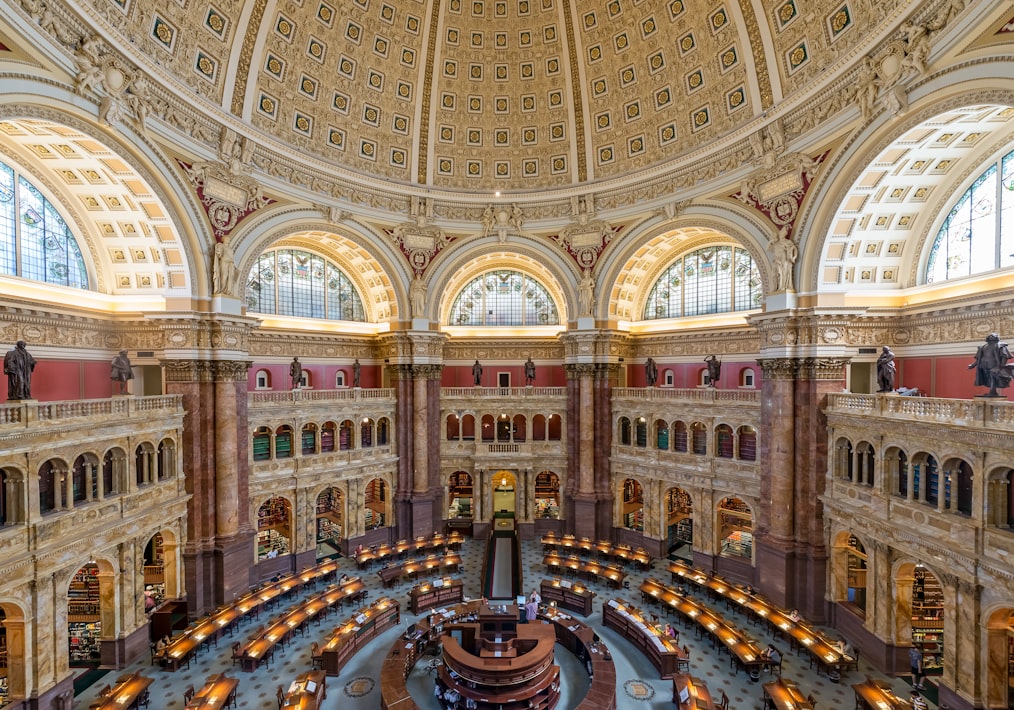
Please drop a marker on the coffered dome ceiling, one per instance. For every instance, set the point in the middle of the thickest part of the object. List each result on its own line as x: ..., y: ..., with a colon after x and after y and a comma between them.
x: 495, y: 94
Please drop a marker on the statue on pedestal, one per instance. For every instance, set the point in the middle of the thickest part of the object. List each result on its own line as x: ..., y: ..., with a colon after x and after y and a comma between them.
x: 477, y: 373
x: 991, y: 368
x: 121, y: 370
x: 886, y: 370
x: 356, y: 368
x: 650, y: 372
x: 714, y: 369
x: 18, y: 366
x: 529, y: 371
x: 295, y: 372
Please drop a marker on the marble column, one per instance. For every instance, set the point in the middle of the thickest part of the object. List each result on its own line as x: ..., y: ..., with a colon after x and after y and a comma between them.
x: 420, y: 425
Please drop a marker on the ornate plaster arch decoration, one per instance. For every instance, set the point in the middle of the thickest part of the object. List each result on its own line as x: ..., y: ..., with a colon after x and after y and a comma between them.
x: 123, y: 220
x: 559, y: 279
x: 892, y: 145
x: 643, y: 265
x: 371, y: 270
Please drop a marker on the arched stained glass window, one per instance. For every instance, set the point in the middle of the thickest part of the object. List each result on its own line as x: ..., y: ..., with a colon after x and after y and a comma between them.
x: 978, y: 234
x: 35, y: 241
x: 715, y: 279
x: 504, y: 298
x: 293, y: 282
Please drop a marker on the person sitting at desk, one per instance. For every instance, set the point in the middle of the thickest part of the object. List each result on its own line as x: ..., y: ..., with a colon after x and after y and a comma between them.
x: 845, y: 649
x: 794, y: 615
x: 452, y: 696
x: 160, y: 645
x: 671, y: 631
x: 771, y: 657
x: 918, y: 701
x: 344, y: 578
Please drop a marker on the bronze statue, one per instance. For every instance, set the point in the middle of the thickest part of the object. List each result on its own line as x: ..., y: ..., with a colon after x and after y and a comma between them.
x: 477, y: 373
x: 991, y: 368
x: 18, y: 366
x: 355, y: 373
x: 121, y: 370
x: 714, y: 369
x: 650, y: 372
x: 529, y: 371
x: 295, y: 372
x: 886, y: 370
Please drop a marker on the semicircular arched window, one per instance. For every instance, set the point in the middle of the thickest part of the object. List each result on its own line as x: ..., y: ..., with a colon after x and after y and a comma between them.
x: 504, y: 298
x: 714, y: 279
x: 972, y: 239
x: 35, y: 240
x: 293, y: 282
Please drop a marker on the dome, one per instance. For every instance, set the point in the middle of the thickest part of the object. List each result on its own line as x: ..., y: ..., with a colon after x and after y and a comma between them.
x: 513, y: 95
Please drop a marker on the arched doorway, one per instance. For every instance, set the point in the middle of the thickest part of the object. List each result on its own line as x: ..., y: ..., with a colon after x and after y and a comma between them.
x: 504, y: 493
x: 632, y: 505
x: 330, y: 523
x: 91, y: 612
x: 160, y: 569
x: 919, y: 613
x: 679, y: 523
x: 1000, y: 659
x: 547, y: 495
x: 274, y: 529
x: 735, y: 528
x: 850, y: 572
x: 376, y: 511
x: 459, y: 496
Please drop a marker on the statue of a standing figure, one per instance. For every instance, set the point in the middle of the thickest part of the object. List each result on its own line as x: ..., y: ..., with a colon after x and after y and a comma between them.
x: 991, y: 368
x: 529, y: 371
x: 417, y: 296
x: 886, y: 370
x: 784, y: 254
x: 477, y: 373
x: 121, y: 370
x: 586, y: 294
x: 650, y: 372
x: 224, y: 271
x: 356, y: 367
x: 714, y: 369
x: 18, y: 366
x: 295, y: 372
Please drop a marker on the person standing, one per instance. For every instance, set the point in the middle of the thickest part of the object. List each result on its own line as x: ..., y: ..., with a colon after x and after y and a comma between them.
x: 121, y: 370
x: 18, y: 366
x: 531, y: 610
x: 915, y: 661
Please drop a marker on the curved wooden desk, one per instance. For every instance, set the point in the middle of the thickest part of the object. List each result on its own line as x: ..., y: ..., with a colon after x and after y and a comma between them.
x: 579, y: 639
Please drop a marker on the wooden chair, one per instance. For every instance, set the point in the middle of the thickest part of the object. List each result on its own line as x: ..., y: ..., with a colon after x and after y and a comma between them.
x: 854, y: 663
x: 812, y: 700
x: 145, y: 700
x: 316, y: 658
x: 280, y: 696
x: 188, y: 694
x: 236, y: 656
x: 724, y: 702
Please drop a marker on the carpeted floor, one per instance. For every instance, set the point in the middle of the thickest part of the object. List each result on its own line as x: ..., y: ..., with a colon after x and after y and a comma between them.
x: 357, y: 688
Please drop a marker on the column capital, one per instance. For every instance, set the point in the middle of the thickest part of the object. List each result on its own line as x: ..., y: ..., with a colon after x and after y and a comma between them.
x: 583, y: 369
x: 823, y: 368
x: 409, y: 371
x: 181, y: 371
x: 779, y: 368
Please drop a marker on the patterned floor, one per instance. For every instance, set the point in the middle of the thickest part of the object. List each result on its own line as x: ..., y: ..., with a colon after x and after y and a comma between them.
x: 358, y: 688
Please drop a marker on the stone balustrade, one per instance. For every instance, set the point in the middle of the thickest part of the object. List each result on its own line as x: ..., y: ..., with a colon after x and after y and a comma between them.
x: 985, y: 413
x: 695, y: 394
x: 23, y: 414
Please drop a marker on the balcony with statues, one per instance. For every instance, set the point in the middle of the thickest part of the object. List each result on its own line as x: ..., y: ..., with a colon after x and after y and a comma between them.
x: 336, y: 428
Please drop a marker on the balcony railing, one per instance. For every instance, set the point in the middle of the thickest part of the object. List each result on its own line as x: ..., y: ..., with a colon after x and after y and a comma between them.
x: 986, y: 413
x: 265, y: 399
x: 497, y: 392
x: 21, y: 415
x: 696, y: 394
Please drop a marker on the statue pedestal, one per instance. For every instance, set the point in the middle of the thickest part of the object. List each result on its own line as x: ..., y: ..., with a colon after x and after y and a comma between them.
x: 781, y: 300
x: 585, y: 323
x: 229, y: 305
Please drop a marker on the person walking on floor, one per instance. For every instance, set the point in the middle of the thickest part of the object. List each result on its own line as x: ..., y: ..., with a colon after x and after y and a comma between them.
x: 915, y: 661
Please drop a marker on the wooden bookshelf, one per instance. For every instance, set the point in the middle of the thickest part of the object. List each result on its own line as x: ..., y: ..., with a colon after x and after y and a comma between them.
x: 434, y: 593
x: 568, y: 595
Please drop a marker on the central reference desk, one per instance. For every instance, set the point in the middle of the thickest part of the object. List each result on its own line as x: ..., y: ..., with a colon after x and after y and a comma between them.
x: 581, y: 640
x: 358, y: 630
x: 633, y: 624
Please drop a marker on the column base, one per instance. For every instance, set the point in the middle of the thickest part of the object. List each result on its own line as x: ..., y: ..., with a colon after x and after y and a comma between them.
x: 233, y: 566
x: 584, y: 515
x: 953, y: 701
x: 423, y: 521
x: 199, y: 572
x: 885, y: 657
x: 59, y: 697
x: 121, y: 652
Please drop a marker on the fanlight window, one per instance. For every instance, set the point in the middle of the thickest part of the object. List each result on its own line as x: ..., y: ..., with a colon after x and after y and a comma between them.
x: 293, y: 282
x: 504, y: 298
x: 35, y: 241
x: 715, y: 279
x: 973, y: 239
